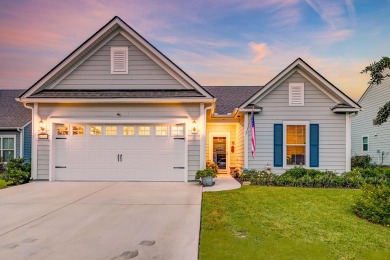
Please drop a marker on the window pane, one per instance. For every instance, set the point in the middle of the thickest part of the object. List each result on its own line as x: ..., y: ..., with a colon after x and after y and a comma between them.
x: 295, y: 155
x: 8, y: 143
x: 8, y: 154
x: 144, y: 130
x: 161, y: 130
x: 177, y: 130
x: 365, y: 140
x: 95, y: 130
x: 296, y: 134
x: 77, y: 130
x: 128, y: 130
x: 111, y: 130
x: 62, y: 130
x: 365, y: 147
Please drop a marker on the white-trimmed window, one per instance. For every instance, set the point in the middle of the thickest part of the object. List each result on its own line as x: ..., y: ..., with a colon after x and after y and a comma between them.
x: 111, y: 130
x: 296, y: 94
x: 7, y: 147
x: 78, y: 130
x: 365, y: 143
x: 119, y: 60
x: 161, y: 130
x: 144, y: 130
x: 128, y: 130
x: 177, y: 130
x: 95, y: 130
x: 296, y: 140
x: 62, y: 130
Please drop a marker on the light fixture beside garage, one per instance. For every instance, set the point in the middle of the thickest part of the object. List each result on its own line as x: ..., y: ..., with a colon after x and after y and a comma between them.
x: 194, y: 127
x: 43, y: 134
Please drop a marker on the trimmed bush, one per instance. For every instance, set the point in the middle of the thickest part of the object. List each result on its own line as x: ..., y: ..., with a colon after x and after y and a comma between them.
x: 374, y: 204
x: 361, y: 161
x: 17, y: 172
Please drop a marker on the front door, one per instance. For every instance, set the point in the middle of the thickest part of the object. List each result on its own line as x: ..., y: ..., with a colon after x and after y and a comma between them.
x: 220, y: 153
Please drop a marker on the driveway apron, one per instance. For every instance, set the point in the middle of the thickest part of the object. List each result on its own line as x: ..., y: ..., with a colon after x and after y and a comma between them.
x: 100, y: 220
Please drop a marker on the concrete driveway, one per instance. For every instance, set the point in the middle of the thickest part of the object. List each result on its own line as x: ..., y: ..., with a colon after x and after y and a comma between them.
x: 100, y: 220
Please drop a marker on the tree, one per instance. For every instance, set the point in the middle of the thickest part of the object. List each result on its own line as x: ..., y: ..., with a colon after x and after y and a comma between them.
x: 378, y: 72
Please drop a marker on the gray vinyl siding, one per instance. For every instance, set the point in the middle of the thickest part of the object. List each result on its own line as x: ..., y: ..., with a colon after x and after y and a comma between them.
x: 131, y: 111
x: 27, y: 134
x: 17, y: 136
x: 316, y: 110
x: 95, y: 72
x: 362, y: 124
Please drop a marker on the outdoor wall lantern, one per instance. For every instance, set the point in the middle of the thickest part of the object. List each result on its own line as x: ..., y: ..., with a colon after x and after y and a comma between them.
x: 194, y: 127
x: 43, y: 134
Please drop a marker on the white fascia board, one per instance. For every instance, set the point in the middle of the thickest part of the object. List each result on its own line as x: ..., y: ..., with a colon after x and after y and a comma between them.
x: 342, y: 110
x: 124, y: 100
x: 250, y: 110
x: 70, y: 58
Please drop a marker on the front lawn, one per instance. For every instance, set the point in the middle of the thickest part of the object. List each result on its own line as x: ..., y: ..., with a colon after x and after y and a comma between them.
x: 288, y: 223
x: 3, y: 184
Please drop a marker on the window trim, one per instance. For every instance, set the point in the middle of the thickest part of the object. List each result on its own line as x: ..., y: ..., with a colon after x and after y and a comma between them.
x: 307, y: 144
x: 368, y: 143
x: 65, y: 125
x: 77, y: 135
x: 177, y: 135
x: 155, y: 130
x: 102, y: 130
x: 1, y: 145
x: 302, y: 87
x: 134, y: 130
x: 138, y: 130
x: 110, y: 130
x: 120, y: 48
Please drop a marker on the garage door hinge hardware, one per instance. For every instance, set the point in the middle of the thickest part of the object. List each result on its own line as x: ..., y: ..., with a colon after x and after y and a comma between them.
x: 178, y: 167
x: 60, y: 137
x: 60, y: 167
x: 179, y: 138
x: 119, y: 157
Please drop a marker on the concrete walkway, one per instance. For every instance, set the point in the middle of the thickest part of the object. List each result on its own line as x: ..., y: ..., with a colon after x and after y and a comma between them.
x: 223, y: 182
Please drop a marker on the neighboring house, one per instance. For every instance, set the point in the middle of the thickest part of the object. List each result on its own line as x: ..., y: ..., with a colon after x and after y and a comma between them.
x: 368, y: 139
x: 15, y: 127
x: 118, y: 109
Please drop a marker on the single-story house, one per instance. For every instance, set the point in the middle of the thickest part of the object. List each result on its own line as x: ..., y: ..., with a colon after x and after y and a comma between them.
x: 367, y: 138
x: 15, y: 127
x: 118, y: 109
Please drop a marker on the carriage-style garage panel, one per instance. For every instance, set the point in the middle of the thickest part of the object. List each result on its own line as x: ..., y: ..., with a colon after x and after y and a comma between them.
x: 134, y: 152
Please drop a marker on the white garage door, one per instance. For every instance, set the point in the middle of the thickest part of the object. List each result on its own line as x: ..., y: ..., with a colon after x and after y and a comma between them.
x: 120, y: 152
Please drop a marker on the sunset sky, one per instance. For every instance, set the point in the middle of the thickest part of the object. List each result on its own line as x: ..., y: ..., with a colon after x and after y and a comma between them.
x: 217, y: 42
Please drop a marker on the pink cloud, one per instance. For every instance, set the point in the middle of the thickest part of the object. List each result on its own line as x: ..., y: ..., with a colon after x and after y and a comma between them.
x: 260, y: 49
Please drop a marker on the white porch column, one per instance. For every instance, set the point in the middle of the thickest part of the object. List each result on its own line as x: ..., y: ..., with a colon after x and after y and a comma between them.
x: 202, y: 127
x: 348, y: 141
x: 245, y: 140
x: 34, y: 142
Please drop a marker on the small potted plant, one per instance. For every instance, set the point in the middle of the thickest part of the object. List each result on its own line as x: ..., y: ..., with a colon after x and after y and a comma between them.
x: 206, y: 175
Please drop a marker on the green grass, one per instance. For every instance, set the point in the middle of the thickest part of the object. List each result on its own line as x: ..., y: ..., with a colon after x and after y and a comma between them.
x: 3, y: 184
x: 288, y: 223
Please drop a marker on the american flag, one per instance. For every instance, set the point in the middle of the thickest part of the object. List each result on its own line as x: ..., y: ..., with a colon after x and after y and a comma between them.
x: 253, y: 135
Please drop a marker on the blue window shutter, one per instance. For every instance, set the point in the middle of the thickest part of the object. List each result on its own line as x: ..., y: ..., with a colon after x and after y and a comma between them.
x: 278, y: 145
x: 314, y: 145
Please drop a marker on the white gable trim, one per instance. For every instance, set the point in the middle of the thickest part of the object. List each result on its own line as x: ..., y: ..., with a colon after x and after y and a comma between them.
x: 292, y: 68
x: 141, y: 41
x: 117, y: 100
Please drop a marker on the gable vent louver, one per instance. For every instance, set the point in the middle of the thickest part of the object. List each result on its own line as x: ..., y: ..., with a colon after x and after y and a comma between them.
x: 119, y: 60
x: 296, y: 94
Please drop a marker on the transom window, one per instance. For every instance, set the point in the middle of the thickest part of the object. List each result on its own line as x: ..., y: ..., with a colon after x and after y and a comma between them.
x: 144, y: 130
x: 365, y: 143
x: 161, y: 130
x: 78, y: 130
x: 296, y: 144
x: 177, y: 130
x: 7, y: 148
x: 128, y: 130
x: 111, y: 130
x: 62, y: 130
x: 95, y: 130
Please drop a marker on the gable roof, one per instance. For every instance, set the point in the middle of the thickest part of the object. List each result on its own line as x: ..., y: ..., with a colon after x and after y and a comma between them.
x: 301, y: 64
x: 12, y: 113
x: 230, y: 97
x: 113, y: 25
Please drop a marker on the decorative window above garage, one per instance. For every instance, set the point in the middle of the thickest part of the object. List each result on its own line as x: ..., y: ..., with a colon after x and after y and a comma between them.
x: 119, y: 60
x: 296, y: 94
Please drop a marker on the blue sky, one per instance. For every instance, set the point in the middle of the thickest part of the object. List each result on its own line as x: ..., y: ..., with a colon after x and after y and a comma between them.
x: 218, y: 42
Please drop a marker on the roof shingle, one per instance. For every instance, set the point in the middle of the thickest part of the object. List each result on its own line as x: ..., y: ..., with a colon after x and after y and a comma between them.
x: 12, y: 113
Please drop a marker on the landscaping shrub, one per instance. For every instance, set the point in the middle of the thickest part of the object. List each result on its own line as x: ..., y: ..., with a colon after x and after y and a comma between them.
x: 361, y: 161
x: 374, y: 204
x: 17, y: 172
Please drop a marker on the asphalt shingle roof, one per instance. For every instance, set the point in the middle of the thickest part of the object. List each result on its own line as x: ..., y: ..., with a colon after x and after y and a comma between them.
x: 230, y: 97
x: 153, y: 93
x: 12, y: 113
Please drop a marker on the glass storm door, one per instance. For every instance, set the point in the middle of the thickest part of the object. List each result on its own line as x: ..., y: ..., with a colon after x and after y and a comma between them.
x: 219, y: 153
